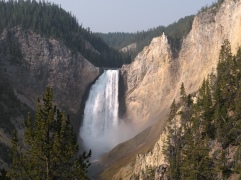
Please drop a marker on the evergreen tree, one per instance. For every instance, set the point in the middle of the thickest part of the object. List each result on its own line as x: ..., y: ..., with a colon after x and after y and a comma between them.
x: 186, y: 103
x: 223, y: 93
x: 51, y: 146
x: 172, y: 145
x: 3, y: 175
x: 196, y: 163
x: 204, y: 106
x: 183, y: 95
x: 50, y: 20
x: 214, y: 118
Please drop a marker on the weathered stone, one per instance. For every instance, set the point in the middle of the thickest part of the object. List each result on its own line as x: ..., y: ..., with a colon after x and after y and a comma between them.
x: 154, y: 158
x: 129, y: 48
x: 153, y: 80
x: 160, y: 172
x: 146, y: 86
x: 46, y: 62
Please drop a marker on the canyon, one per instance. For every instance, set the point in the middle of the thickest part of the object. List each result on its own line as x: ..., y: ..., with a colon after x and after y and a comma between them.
x: 156, y: 74
x: 39, y: 62
x: 149, y: 84
x: 154, y: 79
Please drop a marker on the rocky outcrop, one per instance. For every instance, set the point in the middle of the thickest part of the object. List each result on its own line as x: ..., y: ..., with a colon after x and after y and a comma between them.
x: 146, y: 80
x: 200, y: 51
x: 38, y: 62
x: 154, y: 78
x: 130, y: 47
x: 154, y: 158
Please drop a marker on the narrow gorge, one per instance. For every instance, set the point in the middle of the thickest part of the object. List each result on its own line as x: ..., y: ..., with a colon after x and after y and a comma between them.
x: 153, y: 80
x: 120, y: 113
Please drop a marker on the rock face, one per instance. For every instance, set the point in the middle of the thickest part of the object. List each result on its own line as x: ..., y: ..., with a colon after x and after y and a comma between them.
x: 153, y: 80
x: 130, y: 47
x: 154, y: 158
x: 45, y: 62
x: 146, y: 80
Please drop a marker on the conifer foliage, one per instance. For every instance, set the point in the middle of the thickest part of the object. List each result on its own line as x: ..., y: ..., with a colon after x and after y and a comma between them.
x: 175, y: 33
x: 51, y: 147
x: 205, y: 141
x: 51, y: 21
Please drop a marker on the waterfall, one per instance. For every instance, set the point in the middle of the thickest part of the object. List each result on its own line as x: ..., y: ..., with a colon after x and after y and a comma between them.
x: 101, y: 114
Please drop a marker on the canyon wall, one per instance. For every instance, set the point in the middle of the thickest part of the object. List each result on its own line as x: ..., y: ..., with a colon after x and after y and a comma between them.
x: 153, y: 80
x: 30, y: 63
x: 147, y: 85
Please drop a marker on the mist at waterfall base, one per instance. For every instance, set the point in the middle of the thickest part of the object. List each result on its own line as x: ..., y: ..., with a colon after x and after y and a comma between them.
x: 102, y: 129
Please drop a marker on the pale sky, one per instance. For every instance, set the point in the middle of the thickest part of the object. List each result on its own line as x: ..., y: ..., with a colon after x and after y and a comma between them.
x: 129, y: 15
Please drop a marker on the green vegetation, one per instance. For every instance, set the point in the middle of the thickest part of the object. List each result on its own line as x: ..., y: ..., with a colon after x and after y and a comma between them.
x: 51, y: 146
x: 213, y: 7
x: 175, y: 33
x: 118, y: 40
x: 4, y: 153
x: 52, y: 21
x: 10, y: 106
x: 10, y: 50
x: 11, y: 110
x: 3, y: 175
x: 199, y: 145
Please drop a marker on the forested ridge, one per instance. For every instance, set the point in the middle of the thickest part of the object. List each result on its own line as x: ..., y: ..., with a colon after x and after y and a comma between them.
x: 204, y: 128
x: 175, y: 33
x: 51, y: 21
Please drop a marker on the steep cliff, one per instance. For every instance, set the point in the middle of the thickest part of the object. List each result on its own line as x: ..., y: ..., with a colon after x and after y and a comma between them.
x: 149, y: 80
x: 153, y: 80
x: 30, y: 62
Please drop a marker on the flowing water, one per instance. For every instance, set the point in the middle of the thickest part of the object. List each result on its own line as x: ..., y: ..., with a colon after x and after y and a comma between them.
x: 101, y: 114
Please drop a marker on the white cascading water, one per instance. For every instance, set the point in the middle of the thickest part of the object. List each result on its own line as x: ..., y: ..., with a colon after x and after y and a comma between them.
x: 101, y: 114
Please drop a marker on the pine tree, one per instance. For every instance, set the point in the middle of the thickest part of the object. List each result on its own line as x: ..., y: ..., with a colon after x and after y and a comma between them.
x: 196, y: 163
x: 3, y: 175
x: 224, y: 92
x: 183, y: 95
x: 51, y: 146
x: 186, y: 102
x: 215, y: 118
x: 172, y: 145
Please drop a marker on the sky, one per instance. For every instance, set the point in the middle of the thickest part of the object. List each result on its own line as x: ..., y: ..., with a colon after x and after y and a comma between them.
x: 129, y: 15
